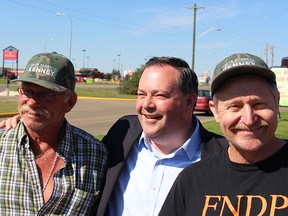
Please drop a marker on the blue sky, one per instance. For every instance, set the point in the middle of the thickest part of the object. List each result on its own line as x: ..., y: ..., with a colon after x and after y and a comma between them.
x: 137, y: 30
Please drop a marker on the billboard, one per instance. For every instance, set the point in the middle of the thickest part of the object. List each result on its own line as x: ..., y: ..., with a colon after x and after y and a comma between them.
x: 10, y: 56
x: 282, y: 83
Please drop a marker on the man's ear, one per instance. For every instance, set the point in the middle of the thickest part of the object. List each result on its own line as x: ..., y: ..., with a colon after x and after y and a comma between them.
x: 71, y: 102
x: 191, y: 100
x: 214, y: 110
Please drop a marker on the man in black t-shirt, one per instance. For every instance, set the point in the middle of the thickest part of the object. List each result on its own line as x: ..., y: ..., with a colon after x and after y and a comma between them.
x: 250, y: 176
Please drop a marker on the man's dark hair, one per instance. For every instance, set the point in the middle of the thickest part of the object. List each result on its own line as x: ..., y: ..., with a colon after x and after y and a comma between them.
x: 187, y: 81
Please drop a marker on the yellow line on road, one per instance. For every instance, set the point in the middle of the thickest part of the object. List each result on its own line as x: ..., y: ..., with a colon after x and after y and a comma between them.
x: 98, y: 98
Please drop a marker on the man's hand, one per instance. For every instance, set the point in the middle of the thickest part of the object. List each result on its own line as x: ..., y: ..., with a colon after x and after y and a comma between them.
x: 10, y: 122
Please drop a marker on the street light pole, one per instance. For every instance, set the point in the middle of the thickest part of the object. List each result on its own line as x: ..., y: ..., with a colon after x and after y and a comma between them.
x: 73, y: 61
x: 195, y: 8
x: 119, y: 63
x: 84, y: 58
x: 87, y: 61
x: 51, y: 39
x: 206, y: 32
x: 71, y: 27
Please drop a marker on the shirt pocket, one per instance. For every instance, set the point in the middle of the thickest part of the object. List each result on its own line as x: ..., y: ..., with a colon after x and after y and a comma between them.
x: 74, y: 202
x: 82, y: 203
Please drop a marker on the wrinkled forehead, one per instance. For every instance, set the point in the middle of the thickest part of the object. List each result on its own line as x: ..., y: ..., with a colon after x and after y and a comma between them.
x: 243, y: 85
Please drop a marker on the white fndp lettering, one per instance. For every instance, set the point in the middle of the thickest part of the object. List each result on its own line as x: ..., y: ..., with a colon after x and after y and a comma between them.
x: 42, y: 68
x: 238, y: 62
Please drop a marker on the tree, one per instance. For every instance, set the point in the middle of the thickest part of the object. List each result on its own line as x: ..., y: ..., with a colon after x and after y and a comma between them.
x: 130, y: 84
x: 108, y: 76
x: 115, y: 74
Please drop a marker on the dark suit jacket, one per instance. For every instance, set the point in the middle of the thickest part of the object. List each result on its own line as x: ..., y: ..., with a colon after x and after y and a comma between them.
x: 120, y: 139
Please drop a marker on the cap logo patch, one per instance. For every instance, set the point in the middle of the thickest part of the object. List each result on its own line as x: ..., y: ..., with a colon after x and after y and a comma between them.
x: 238, y: 62
x: 42, y: 68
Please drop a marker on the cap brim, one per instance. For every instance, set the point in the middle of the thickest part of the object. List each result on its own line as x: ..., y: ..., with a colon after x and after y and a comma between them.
x: 42, y: 83
x: 243, y: 69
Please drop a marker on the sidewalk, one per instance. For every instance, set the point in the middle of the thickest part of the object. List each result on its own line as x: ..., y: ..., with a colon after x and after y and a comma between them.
x: 9, y: 93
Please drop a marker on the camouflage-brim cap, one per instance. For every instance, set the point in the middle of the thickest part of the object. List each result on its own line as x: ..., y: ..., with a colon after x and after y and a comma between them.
x: 50, y: 70
x: 240, y: 63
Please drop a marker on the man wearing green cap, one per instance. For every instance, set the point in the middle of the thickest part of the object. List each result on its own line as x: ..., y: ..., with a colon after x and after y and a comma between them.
x: 250, y: 176
x: 47, y: 166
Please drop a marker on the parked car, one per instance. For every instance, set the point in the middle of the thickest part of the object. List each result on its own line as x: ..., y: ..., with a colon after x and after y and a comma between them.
x: 202, y: 103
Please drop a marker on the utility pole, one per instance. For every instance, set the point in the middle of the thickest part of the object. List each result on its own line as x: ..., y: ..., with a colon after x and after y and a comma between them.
x: 266, y: 53
x: 272, y: 56
x: 84, y: 50
x: 195, y: 8
x: 269, y: 50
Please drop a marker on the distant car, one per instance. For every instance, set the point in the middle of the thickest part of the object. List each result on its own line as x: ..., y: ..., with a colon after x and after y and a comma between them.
x: 203, y: 101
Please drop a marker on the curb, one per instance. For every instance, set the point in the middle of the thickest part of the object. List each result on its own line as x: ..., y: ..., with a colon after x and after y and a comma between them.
x: 5, y: 115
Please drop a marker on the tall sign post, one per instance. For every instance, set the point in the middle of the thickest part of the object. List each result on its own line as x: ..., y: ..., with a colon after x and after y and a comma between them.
x: 10, y: 55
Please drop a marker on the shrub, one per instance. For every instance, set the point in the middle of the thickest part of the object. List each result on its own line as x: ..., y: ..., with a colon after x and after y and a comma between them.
x: 129, y: 84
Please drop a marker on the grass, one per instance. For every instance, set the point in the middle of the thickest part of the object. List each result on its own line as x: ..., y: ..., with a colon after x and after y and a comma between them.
x: 102, y: 93
x: 3, y: 81
x: 99, y: 137
x: 8, y: 106
x: 282, y: 130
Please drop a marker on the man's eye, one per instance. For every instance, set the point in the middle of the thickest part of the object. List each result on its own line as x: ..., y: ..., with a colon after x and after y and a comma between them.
x: 161, y: 96
x: 234, y: 107
x: 45, y: 94
x: 28, y: 92
x: 259, y: 105
x: 140, y: 94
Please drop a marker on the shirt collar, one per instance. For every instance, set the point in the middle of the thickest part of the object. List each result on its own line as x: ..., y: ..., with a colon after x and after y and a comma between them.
x: 192, y: 145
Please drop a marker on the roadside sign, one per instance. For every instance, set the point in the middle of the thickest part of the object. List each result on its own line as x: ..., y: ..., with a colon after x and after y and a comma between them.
x: 282, y: 83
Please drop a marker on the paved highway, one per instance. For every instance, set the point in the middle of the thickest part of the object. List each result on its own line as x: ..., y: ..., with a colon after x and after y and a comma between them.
x: 97, y: 116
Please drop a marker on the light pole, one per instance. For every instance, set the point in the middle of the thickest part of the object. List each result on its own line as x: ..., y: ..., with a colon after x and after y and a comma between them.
x: 119, y: 63
x: 84, y: 58
x: 195, y: 8
x: 51, y: 39
x: 206, y: 32
x: 71, y: 27
x: 74, y: 63
x: 87, y: 61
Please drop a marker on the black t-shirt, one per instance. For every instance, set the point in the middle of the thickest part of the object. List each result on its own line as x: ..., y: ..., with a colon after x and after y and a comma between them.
x: 217, y: 186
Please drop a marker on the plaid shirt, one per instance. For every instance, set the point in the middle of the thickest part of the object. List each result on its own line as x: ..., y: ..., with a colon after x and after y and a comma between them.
x: 76, y: 186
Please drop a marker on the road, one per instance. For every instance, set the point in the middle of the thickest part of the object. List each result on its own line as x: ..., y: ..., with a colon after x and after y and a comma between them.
x: 96, y: 116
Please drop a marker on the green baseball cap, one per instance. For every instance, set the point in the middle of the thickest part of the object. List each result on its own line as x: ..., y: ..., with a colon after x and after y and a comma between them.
x: 50, y: 70
x: 240, y: 63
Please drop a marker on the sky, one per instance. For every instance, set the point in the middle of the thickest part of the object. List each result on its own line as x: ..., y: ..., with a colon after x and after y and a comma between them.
x: 125, y: 34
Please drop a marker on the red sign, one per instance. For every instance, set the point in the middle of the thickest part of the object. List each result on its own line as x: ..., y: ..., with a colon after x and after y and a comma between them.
x: 10, y: 55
